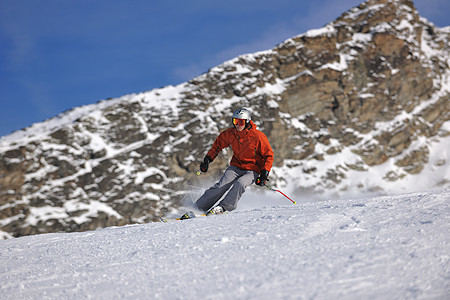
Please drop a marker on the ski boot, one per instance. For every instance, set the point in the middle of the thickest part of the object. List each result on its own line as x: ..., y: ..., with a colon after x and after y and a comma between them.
x: 188, y: 215
x: 216, y: 210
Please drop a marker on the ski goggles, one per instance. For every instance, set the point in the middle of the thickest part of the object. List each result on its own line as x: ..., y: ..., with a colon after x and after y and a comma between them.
x: 240, y: 122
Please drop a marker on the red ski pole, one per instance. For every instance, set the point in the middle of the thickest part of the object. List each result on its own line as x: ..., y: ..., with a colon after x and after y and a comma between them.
x: 275, y: 190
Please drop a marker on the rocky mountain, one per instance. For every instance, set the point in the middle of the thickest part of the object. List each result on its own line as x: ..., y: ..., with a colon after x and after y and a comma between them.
x: 360, y: 105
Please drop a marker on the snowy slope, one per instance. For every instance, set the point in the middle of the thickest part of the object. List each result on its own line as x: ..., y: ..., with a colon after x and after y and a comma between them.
x: 391, y: 247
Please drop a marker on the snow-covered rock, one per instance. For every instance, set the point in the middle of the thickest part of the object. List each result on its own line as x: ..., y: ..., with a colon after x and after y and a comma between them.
x: 358, y: 106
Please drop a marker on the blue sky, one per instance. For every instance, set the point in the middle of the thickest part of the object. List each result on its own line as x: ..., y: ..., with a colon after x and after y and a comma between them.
x: 59, y: 54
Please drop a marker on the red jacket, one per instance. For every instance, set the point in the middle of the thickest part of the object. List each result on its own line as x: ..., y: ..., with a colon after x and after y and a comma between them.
x: 251, y: 149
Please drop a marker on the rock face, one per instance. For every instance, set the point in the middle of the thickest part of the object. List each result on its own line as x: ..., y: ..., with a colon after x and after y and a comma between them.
x: 359, y: 105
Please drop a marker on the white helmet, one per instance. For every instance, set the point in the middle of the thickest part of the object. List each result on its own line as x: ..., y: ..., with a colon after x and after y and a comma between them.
x: 242, y: 113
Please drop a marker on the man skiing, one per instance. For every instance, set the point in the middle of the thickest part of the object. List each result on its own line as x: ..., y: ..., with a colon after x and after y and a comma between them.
x: 251, y: 162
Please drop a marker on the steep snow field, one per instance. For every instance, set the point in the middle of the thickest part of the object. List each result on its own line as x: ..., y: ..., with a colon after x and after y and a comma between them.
x: 390, y: 247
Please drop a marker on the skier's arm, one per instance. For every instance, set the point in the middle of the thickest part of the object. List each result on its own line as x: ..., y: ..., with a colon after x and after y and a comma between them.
x: 267, y: 153
x: 221, y: 142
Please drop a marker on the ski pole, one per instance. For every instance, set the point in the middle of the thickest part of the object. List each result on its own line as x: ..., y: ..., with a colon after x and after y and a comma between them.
x: 275, y: 190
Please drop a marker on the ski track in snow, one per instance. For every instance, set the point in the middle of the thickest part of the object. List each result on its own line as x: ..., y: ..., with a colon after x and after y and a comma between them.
x: 390, y: 247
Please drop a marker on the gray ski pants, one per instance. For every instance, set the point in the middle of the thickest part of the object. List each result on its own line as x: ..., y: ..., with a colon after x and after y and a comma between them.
x: 234, y: 180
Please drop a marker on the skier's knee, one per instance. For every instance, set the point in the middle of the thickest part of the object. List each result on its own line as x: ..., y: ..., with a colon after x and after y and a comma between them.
x: 228, y: 207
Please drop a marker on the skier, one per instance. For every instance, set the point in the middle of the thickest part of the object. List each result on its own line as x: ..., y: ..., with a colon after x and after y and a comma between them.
x: 251, y: 162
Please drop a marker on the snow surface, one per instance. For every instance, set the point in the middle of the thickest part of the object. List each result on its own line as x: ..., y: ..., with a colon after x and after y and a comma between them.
x: 390, y: 247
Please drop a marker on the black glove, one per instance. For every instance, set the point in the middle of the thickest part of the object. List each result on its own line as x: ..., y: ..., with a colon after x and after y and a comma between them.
x: 205, y: 164
x: 261, y: 180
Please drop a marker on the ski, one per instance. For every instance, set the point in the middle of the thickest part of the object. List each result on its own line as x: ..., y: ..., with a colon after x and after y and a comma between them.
x: 186, y: 216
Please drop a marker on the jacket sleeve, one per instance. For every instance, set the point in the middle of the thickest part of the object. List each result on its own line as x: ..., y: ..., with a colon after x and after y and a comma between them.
x: 266, y: 152
x: 221, y: 142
